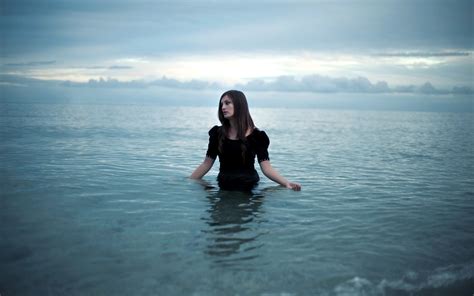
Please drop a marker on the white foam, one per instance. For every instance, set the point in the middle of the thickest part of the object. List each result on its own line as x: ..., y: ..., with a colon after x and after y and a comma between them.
x: 410, y: 282
x: 355, y: 286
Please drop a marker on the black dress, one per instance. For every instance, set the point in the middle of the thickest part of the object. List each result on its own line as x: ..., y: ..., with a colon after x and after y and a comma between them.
x: 237, y: 171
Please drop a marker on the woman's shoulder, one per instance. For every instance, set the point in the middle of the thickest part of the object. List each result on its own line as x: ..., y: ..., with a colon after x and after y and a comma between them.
x: 258, y: 132
x: 260, y: 137
x: 214, y: 130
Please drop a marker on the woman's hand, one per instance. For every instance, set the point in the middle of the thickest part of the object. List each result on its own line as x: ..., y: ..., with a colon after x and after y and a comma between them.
x: 293, y: 186
x: 273, y: 175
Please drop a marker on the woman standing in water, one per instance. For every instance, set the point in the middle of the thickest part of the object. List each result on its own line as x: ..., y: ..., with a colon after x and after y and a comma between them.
x: 237, y: 142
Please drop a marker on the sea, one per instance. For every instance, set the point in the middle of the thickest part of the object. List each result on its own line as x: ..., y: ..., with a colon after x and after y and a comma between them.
x: 96, y: 200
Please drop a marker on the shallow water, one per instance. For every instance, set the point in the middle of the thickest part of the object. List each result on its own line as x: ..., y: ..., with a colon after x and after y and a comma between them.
x: 95, y: 200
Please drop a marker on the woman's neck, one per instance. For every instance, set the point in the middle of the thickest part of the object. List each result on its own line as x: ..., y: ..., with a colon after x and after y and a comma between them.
x: 233, y: 124
x: 233, y: 131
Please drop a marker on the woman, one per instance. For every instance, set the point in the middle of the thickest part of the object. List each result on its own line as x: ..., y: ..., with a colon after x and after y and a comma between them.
x: 237, y: 142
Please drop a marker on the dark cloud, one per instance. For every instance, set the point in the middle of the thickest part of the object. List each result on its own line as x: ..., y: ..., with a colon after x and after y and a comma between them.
x: 103, y: 28
x: 405, y: 89
x: 118, y: 67
x: 424, y: 54
x: 462, y: 90
x: 93, y: 67
x: 113, y: 67
x: 33, y: 63
x: 25, y: 81
x: 163, y: 82
x: 427, y: 88
x: 324, y: 84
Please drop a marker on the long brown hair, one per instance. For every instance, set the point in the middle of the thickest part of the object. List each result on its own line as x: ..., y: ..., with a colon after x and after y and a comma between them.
x: 244, y: 121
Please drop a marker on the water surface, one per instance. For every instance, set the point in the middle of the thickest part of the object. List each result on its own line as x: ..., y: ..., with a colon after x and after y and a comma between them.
x: 95, y: 200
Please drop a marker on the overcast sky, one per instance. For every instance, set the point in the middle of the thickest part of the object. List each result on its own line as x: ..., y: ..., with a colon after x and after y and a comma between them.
x: 255, y: 44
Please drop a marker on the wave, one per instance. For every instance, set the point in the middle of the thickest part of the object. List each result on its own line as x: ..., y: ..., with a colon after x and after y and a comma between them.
x: 451, y: 280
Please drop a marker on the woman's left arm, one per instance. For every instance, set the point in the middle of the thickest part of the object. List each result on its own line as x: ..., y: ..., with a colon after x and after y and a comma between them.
x: 273, y: 175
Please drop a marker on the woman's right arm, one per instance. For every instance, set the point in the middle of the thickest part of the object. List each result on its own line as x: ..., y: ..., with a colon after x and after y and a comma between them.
x: 203, y: 168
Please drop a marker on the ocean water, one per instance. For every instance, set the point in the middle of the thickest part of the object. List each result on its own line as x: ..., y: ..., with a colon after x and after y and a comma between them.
x: 95, y: 200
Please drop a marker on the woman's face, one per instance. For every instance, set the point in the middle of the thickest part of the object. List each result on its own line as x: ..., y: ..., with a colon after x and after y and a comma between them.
x: 227, y: 107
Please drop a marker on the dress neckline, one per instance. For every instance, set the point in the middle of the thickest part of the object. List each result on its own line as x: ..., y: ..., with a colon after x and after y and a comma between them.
x: 246, y: 137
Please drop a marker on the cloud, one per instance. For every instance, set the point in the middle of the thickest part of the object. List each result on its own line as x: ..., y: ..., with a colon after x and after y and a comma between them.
x: 113, y: 67
x: 398, y: 42
x: 462, y: 90
x: 92, y: 67
x: 22, y: 80
x: 423, y: 54
x: 305, y: 84
x: 427, y: 88
x: 119, y: 67
x: 325, y: 84
x: 163, y: 82
x: 84, y: 29
x: 192, y: 84
x: 29, y: 64
x: 176, y: 93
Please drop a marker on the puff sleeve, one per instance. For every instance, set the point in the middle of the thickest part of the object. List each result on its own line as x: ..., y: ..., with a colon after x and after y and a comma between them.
x: 212, y: 148
x: 262, y: 142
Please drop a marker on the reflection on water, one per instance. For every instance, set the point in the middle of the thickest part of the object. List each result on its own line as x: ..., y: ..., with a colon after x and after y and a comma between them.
x: 234, y: 219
